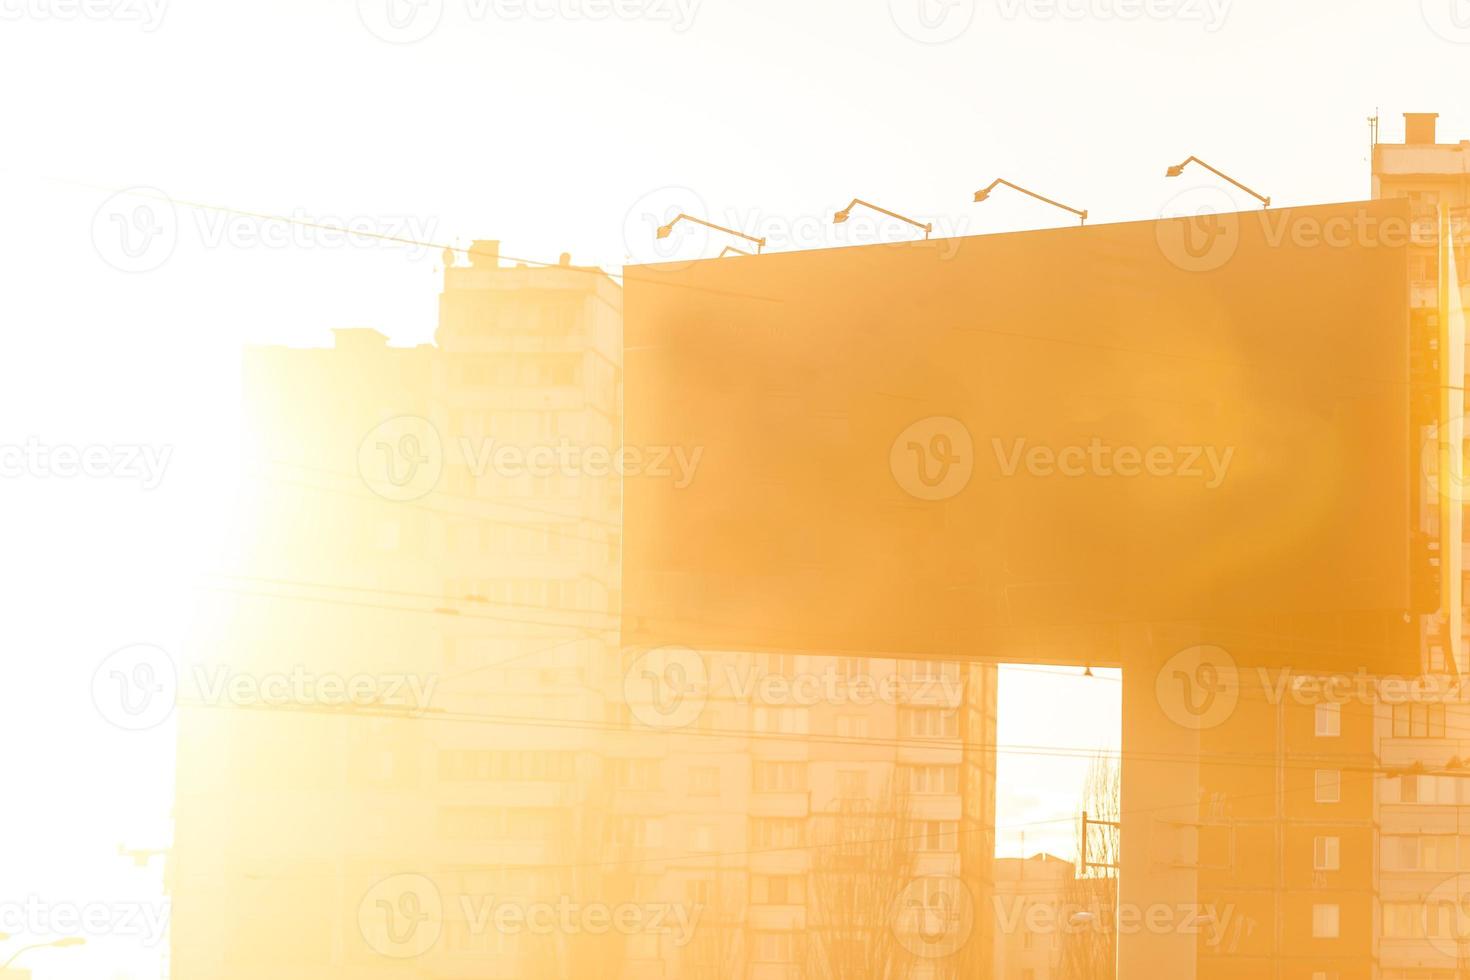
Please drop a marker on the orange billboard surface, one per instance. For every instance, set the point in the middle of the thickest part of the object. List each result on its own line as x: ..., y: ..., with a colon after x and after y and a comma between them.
x: 1011, y: 446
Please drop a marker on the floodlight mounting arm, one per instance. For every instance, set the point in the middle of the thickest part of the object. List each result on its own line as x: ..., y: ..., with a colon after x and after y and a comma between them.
x: 55, y: 943
x: 982, y: 195
x: 665, y: 230
x: 1176, y: 171
x: 846, y: 213
x: 24, y: 949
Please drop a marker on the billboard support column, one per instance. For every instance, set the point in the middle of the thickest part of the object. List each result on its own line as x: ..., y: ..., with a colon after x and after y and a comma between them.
x: 1162, y: 705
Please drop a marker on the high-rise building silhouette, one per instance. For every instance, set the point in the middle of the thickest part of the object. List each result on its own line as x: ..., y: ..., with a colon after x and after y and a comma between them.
x: 441, y: 524
x: 1423, y: 789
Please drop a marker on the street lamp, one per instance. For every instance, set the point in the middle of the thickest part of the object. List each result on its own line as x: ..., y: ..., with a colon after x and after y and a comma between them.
x: 63, y: 943
x: 982, y: 195
x: 1176, y: 171
x: 665, y: 231
x: 846, y: 213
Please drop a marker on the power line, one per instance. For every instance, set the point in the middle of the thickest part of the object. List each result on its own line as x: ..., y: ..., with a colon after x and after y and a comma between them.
x: 437, y: 597
x: 1206, y: 760
x: 751, y: 852
x: 1242, y: 691
x: 385, y: 607
x: 415, y: 505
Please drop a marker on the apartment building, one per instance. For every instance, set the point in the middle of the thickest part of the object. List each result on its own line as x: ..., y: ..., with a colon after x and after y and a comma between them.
x: 1028, y: 905
x: 1329, y: 822
x: 815, y: 808
x: 1284, y: 845
x: 384, y: 547
x: 441, y: 525
x: 1423, y: 793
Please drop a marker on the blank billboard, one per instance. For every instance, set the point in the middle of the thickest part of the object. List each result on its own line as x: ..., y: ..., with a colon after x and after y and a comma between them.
x: 1013, y: 446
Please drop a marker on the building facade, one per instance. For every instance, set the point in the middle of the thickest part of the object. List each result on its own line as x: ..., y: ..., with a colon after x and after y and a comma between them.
x: 1423, y: 790
x: 1285, y: 838
x: 1027, y: 905
x: 1332, y: 833
x: 411, y: 745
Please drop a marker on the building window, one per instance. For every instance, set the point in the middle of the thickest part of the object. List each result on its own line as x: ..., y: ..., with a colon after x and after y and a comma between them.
x: 938, y: 835
x: 1325, y: 921
x: 636, y: 774
x: 698, y: 891
x: 1403, y: 920
x: 777, y: 890
x: 1417, y: 920
x: 1329, y: 720
x: 1426, y: 789
x: 1429, y: 852
x: 1329, y: 786
x: 1327, y: 854
x: 776, y: 832
x: 704, y: 781
x: 1400, y: 853
x: 929, y: 780
x: 1424, y: 204
x: 780, y: 719
x: 636, y: 832
x: 928, y: 723
x: 1437, y: 852
x: 774, y: 947
x: 779, y: 777
x: 1418, y: 721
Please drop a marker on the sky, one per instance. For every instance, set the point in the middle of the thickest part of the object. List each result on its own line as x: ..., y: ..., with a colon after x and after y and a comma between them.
x: 553, y: 129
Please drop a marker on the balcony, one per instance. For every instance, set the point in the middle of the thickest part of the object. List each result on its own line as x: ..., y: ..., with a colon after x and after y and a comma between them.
x: 935, y: 806
x: 777, y: 918
x: 772, y: 861
x: 938, y: 751
x: 1415, y: 954
x: 788, y: 804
